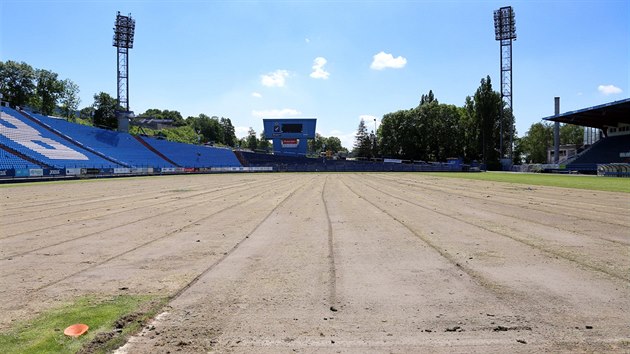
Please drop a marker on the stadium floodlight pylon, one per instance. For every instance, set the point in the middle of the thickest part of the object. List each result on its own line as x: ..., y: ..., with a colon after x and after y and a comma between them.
x: 505, y: 33
x: 124, y: 32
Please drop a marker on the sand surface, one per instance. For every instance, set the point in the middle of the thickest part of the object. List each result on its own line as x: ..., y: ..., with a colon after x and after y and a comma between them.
x: 339, y: 263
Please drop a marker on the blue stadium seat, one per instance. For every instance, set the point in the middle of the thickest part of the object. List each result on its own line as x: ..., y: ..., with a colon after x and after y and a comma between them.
x: 604, y: 151
x: 9, y: 161
x: 187, y: 155
x: 121, y: 147
x: 32, y: 140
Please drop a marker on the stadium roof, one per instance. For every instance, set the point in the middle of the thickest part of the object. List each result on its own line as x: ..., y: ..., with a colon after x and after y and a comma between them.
x: 609, y: 114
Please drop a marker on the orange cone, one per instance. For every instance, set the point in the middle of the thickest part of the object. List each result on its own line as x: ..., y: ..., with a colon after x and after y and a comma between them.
x: 76, y: 330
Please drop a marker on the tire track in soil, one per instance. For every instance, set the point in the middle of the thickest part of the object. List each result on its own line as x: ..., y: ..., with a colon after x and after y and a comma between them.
x: 190, y: 224
x: 142, y: 219
x: 76, y: 199
x: 499, y: 290
x: 196, y: 279
x: 514, y: 299
x: 125, y: 211
x: 332, y: 283
x: 588, y: 208
x: 549, y: 252
x: 161, y: 195
x: 533, y: 221
x: 498, y: 206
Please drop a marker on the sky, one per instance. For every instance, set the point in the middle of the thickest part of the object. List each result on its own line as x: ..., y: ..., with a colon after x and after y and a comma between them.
x: 337, y: 61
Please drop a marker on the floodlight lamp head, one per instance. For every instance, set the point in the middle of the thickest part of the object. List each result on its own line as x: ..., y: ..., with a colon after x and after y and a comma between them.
x: 124, y: 31
x: 504, y: 24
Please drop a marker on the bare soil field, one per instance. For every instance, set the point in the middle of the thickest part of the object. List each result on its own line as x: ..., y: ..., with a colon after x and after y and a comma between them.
x: 339, y: 263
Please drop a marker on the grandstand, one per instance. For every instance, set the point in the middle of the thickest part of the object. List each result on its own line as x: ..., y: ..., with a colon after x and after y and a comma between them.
x: 122, y: 148
x: 613, y: 121
x: 43, y: 147
x: 34, y: 145
x: 193, y: 155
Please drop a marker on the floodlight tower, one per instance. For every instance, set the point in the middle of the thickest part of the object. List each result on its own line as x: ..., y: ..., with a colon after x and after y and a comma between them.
x: 505, y: 33
x: 124, y: 30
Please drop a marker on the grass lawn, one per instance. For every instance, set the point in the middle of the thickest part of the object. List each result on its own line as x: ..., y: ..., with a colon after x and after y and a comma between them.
x: 609, y: 184
x: 44, y: 334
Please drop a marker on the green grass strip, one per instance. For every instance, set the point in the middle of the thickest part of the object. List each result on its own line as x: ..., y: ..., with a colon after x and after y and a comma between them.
x: 596, y: 183
x: 44, y: 334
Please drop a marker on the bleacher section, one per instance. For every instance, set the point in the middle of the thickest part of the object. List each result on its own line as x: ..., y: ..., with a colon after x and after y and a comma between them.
x: 306, y: 164
x: 258, y: 159
x: 194, y: 155
x: 121, y: 147
x: 605, y: 151
x: 9, y: 161
x: 39, y: 144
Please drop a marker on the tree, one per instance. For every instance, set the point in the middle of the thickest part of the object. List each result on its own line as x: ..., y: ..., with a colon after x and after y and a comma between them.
x: 105, y: 107
x: 174, y: 116
x: 427, y: 98
x: 317, y: 144
x: 536, y: 141
x: 571, y: 134
x: 208, y: 128
x: 48, y: 90
x: 333, y: 144
x: 251, y: 140
x: 17, y: 82
x: 229, y: 135
x: 362, y: 143
x: 487, y: 107
x: 69, y: 99
x: 264, y: 144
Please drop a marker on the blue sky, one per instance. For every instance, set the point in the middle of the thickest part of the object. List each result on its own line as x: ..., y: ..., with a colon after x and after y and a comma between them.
x: 337, y: 61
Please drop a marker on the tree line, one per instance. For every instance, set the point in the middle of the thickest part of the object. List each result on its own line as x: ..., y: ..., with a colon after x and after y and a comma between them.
x: 433, y: 131
x: 22, y: 85
x: 43, y: 91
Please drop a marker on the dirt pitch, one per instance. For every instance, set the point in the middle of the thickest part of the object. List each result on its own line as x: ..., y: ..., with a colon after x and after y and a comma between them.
x: 344, y: 263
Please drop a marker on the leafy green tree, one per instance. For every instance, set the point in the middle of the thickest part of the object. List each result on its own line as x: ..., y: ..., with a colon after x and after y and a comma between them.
x: 208, y: 128
x: 431, y: 131
x: 264, y: 144
x: 333, y: 144
x: 536, y: 141
x: 571, y: 134
x: 17, y: 82
x: 229, y: 133
x: 316, y: 145
x: 428, y: 98
x: 251, y: 140
x: 48, y: 90
x: 69, y: 100
x: 487, y: 112
x: 174, y: 116
x: 362, y: 142
x: 105, y: 107
x: 518, y: 154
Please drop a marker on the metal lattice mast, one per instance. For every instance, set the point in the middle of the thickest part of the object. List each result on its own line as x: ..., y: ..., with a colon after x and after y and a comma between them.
x: 124, y: 31
x: 505, y: 33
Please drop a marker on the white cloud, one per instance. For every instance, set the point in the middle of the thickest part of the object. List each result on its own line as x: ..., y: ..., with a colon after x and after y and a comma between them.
x: 307, y: 40
x: 276, y: 113
x: 383, y: 60
x: 347, y: 139
x: 609, y: 89
x: 256, y: 94
x: 318, y: 69
x: 241, y: 132
x: 274, y: 79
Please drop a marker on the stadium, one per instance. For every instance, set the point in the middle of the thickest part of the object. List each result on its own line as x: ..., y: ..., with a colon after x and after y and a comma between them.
x: 159, y: 246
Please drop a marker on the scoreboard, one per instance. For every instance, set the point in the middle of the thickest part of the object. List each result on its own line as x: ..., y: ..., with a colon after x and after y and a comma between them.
x: 289, y: 135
